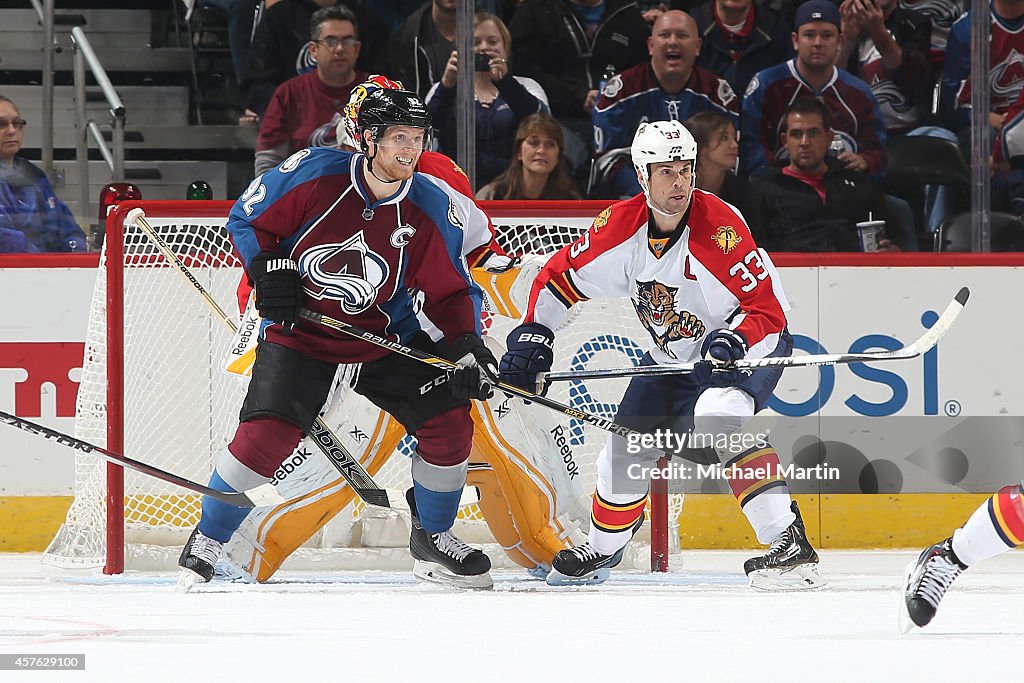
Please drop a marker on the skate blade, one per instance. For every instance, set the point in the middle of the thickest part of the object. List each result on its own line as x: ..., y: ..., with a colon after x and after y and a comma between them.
x: 594, y: 578
x: 188, y: 580
x: 432, y: 572
x: 803, y: 577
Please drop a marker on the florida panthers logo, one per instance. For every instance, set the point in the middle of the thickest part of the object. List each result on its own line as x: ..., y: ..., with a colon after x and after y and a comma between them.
x: 348, y: 273
x: 656, y: 308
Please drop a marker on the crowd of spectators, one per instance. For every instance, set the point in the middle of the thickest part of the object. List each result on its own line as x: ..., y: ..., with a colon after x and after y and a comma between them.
x: 561, y: 85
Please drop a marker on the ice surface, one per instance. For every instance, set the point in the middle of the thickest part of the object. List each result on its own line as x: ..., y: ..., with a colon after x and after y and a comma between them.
x: 699, y: 622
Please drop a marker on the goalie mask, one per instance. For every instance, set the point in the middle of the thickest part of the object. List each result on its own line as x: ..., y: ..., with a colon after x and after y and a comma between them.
x: 662, y: 142
x: 348, y: 127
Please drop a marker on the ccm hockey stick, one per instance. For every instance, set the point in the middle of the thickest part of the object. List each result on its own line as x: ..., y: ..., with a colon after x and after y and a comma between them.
x: 350, y: 468
x: 448, y: 366
x: 261, y: 495
x: 926, y: 341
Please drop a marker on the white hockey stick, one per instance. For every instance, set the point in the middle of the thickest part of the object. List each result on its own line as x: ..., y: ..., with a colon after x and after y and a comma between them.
x: 264, y: 494
x: 357, y: 477
x: 926, y: 341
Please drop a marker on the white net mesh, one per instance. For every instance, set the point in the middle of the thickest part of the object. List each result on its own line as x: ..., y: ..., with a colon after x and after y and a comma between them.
x: 181, y: 409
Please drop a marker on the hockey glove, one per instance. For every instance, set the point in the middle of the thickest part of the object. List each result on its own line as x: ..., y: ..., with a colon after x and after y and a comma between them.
x: 723, y: 345
x: 278, y: 288
x: 473, y: 380
x: 530, y: 351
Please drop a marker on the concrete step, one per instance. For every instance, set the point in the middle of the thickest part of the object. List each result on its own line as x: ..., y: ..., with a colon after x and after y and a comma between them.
x: 167, y: 180
x: 145, y: 105
x: 114, y: 58
x: 21, y: 29
x: 154, y: 138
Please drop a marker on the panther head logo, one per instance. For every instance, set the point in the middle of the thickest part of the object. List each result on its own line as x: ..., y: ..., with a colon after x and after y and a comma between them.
x: 656, y: 307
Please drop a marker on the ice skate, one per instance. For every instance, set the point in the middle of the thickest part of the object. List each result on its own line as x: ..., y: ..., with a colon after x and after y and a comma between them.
x: 790, y: 564
x: 198, y: 560
x: 925, y: 582
x: 584, y: 566
x: 444, y: 558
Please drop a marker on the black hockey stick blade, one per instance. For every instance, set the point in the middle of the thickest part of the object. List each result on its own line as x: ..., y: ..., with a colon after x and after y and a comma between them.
x: 353, y: 472
x: 921, y: 345
x: 261, y: 495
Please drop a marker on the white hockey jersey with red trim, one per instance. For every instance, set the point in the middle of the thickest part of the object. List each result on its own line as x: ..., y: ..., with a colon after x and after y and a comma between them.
x: 705, y: 276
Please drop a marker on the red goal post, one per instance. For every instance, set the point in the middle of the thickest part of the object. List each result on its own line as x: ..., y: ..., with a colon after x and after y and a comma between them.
x: 152, y: 387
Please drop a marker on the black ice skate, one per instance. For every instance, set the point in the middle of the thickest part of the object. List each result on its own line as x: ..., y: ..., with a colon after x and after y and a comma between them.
x: 197, y: 561
x: 790, y: 564
x: 584, y: 566
x: 443, y: 558
x: 926, y: 580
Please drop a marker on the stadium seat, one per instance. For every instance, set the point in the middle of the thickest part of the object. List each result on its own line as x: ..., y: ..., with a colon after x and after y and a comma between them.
x: 955, y: 234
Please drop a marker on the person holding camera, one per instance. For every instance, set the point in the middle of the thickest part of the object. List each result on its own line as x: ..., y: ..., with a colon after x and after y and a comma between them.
x: 502, y: 100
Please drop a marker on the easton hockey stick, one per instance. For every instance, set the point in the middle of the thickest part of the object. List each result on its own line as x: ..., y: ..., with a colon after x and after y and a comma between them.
x: 350, y: 468
x: 265, y: 494
x: 925, y: 342
x: 448, y: 366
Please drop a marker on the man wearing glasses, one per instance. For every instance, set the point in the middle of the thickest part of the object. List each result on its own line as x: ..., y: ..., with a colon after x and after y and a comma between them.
x: 32, y: 217
x: 303, y: 109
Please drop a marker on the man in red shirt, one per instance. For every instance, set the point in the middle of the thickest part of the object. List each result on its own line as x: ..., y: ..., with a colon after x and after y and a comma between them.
x: 302, y: 111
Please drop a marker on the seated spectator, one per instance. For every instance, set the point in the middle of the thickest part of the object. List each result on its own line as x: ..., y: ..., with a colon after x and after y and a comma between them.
x: 302, y: 112
x: 717, y: 152
x: 1006, y: 80
x: 887, y: 47
x: 240, y: 16
x: 502, y: 100
x: 942, y: 14
x: 667, y: 87
x: 740, y: 38
x: 538, y: 169
x: 280, y: 50
x: 569, y: 47
x: 419, y: 50
x: 32, y: 217
x: 856, y: 118
x: 815, y: 202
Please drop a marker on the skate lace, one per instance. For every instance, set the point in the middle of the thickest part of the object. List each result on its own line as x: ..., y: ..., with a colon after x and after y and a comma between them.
x: 780, y: 543
x: 206, y: 549
x: 585, y: 552
x: 451, y: 546
x: 939, y: 573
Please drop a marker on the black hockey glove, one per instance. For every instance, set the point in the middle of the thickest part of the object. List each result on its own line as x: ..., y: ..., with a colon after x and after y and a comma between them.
x: 530, y: 351
x: 473, y: 380
x: 278, y: 288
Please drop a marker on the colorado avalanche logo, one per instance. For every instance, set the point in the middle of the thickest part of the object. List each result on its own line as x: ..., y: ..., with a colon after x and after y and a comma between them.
x: 348, y: 273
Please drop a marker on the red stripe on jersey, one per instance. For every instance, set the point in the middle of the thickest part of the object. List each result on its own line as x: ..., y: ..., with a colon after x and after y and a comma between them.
x: 611, y: 517
x: 749, y: 473
x: 721, y: 241
x: 630, y: 216
x: 1008, y: 509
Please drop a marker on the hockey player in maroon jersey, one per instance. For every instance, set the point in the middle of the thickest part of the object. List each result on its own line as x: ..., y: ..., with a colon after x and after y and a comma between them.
x: 702, y: 289
x: 348, y: 235
x: 995, y: 527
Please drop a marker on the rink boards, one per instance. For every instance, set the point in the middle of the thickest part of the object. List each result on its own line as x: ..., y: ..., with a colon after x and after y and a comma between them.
x: 926, y: 438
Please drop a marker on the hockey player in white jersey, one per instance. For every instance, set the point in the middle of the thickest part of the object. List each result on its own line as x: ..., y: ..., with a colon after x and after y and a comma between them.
x: 703, y: 290
x: 995, y: 527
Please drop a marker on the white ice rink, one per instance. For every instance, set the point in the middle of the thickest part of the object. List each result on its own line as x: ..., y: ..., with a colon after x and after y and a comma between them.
x: 700, y: 622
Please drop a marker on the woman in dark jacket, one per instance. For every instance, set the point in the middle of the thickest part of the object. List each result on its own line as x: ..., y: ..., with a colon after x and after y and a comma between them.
x: 717, y: 151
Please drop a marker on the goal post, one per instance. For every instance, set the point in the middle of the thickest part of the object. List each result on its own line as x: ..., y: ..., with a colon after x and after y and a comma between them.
x: 152, y: 382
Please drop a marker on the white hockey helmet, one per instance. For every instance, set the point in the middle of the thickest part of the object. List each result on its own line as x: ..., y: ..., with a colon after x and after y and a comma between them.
x: 660, y: 141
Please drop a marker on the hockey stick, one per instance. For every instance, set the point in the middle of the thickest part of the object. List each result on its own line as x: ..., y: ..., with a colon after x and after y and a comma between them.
x: 261, y: 495
x: 448, y: 366
x: 925, y: 342
x: 350, y: 468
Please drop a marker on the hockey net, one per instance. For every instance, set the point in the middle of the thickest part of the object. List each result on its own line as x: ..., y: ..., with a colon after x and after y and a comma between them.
x: 154, y: 389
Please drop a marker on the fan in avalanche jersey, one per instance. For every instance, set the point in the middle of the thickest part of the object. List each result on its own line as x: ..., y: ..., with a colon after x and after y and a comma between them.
x: 348, y: 235
x: 701, y: 289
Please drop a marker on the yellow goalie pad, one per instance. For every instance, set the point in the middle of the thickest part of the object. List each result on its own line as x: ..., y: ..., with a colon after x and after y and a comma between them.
x: 506, y: 283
